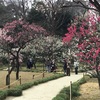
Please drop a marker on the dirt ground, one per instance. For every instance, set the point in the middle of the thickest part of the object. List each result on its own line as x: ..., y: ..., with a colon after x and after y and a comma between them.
x: 25, y: 77
x: 89, y: 90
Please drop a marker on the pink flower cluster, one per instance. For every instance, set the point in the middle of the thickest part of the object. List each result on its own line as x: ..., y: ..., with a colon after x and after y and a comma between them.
x: 19, y: 32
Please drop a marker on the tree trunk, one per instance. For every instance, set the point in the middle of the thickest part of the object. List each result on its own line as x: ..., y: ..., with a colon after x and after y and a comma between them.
x: 8, y: 76
x: 97, y: 71
x: 8, y: 79
x: 17, y: 73
x: 17, y: 67
x: 99, y: 81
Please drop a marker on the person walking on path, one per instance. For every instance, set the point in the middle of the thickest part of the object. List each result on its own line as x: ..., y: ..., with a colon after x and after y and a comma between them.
x: 76, y: 64
x: 68, y: 68
x: 65, y: 67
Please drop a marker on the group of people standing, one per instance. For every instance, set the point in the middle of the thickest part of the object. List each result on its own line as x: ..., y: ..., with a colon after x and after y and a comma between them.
x: 68, y: 65
x: 50, y: 65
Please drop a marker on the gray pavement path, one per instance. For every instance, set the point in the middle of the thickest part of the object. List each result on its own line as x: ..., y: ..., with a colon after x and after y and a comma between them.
x: 48, y: 90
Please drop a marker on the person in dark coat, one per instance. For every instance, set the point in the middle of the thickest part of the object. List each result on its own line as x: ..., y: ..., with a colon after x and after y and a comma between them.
x: 68, y: 68
x: 65, y: 67
x: 29, y: 63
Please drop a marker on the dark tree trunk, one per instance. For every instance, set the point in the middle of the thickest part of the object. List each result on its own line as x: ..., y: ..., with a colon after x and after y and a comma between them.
x: 99, y: 81
x: 8, y: 76
x: 98, y: 77
x: 97, y: 70
x: 8, y: 79
x: 17, y: 73
x: 17, y: 67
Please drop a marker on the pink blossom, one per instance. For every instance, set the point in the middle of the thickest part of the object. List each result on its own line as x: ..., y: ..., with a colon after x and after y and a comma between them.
x: 68, y: 38
x: 98, y: 19
x: 20, y: 32
x: 81, y: 46
x: 96, y: 67
x: 82, y: 31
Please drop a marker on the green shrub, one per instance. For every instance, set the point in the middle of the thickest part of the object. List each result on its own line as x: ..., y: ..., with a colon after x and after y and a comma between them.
x: 62, y: 95
x: 58, y: 98
x: 82, y: 81
x: 63, y: 90
x: 75, y: 90
x: 3, y: 95
x: 14, y: 92
x: 36, y: 82
x: 25, y: 86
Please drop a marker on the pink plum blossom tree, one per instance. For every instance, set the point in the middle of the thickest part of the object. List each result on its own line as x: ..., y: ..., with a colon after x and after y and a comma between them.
x: 15, y: 36
x: 86, y: 34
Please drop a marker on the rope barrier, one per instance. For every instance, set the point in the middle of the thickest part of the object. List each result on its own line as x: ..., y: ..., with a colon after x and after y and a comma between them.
x: 8, y: 86
x: 39, y: 75
x: 4, y: 87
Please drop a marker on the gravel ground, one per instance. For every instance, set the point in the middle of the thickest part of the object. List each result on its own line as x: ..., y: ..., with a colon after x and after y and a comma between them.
x: 48, y: 90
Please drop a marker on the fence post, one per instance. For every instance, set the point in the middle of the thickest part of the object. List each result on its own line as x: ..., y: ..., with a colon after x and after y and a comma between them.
x: 33, y: 76
x: 83, y: 74
x: 43, y: 74
x: 9, y: 86
x: 70, y: 90
x: 20, y: 80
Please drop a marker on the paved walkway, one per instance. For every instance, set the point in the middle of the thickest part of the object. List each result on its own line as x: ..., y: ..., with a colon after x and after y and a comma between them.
x: 48, y: 90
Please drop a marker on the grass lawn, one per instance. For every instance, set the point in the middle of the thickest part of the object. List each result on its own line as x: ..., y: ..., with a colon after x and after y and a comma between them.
x: 89, y: 90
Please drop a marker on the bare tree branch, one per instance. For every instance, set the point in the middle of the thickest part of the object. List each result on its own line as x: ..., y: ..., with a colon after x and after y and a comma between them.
x: 81, y: 6
x: 95, y: 3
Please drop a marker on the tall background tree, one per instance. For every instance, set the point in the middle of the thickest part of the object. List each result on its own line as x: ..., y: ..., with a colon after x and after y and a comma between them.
x: 19, y: 7
x: 51, y: 16
x: 5, y: 14
x: 13, y: 10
